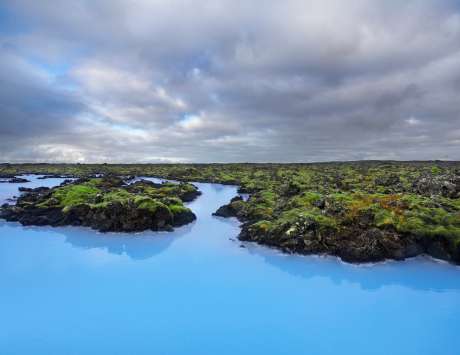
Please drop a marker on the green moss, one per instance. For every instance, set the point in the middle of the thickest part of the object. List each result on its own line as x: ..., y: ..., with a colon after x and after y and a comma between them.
x: 117, y: 195
x: 435, y: 170
x: 75, y: 194
x: 239, y: 205
x: 262, y: 226
x: 177, y: 209
x: 306, y: 199
x: 291, y: 216
x: 147, y: 203
x: 93, y: 182
x: 170, y: 201
x: 386, y: 218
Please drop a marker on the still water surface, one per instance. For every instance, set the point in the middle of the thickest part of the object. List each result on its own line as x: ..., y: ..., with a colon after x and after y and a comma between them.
x: 197, y: 291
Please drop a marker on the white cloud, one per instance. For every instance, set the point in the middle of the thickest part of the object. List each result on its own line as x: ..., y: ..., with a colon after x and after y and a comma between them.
x: 412, y: 121
x: 191, y: 122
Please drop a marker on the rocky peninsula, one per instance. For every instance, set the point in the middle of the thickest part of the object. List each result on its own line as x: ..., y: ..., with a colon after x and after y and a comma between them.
x: 360, y: 219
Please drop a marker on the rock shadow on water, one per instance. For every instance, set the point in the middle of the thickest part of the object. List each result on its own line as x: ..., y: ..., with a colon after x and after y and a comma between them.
x: 420, y: 273
x: 137, y: 246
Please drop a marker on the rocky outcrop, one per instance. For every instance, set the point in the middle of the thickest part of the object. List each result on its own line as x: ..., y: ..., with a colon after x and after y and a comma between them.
x: 54, y: 176
x: 113, y: 217
x: 355, y: 244
x: 41, y: 189
x: 446, y: 185
x: 103, y: 204
x: 189, y: 195
x: 230, y: 210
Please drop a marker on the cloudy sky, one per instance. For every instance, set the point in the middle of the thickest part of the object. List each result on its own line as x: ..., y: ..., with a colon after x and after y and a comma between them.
x: 229, y: 81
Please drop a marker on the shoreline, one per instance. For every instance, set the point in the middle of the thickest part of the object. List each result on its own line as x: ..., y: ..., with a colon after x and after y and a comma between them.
x: 358, y: 242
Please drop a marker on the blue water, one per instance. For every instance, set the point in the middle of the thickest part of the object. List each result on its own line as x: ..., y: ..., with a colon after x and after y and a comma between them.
x: 196, y: 291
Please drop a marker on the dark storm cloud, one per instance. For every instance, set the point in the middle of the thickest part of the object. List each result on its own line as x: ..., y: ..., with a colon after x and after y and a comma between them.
x: 226, y: 81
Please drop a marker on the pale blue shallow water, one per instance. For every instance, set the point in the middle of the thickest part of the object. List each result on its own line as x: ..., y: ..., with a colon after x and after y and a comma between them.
x: 196, y: 291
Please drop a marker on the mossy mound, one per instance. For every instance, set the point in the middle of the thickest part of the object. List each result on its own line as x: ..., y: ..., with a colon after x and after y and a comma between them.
x: 106, y: 204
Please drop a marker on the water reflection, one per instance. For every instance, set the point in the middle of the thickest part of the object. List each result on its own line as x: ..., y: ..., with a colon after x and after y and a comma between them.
x: 137, y: 246
x: 421, y: 273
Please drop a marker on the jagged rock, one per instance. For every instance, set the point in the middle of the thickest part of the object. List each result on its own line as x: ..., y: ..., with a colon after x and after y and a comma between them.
x: 14, y: 180
x: 444, y: 185
x: 36, y: 190
x: 230, y: 210
x: 389, y: 180
x: 53, y: 176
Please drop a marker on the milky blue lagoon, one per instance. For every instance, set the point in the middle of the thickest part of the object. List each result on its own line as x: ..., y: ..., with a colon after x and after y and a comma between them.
x: 197, y: 291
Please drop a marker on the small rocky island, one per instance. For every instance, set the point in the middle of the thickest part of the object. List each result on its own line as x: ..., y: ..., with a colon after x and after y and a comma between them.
x: 12, y: 179
x: 105, y: 204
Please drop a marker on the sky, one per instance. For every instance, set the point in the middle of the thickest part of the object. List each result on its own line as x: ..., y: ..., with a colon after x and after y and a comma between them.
x: 149, y: 81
